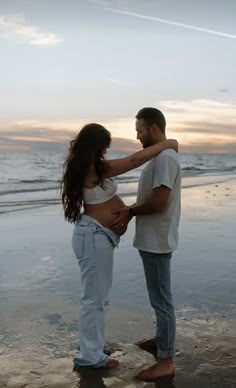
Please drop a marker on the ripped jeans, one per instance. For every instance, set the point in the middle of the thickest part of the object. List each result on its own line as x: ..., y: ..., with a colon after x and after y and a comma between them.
x: 93, y: 246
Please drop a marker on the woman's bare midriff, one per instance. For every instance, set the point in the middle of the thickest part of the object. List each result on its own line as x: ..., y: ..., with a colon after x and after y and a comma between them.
x: 102, y: 212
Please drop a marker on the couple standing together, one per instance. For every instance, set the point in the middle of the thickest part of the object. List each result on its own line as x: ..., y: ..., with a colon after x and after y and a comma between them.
x: 87, y: 182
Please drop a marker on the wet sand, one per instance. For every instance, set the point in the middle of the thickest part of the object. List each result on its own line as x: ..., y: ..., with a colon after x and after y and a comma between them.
x: 39, y: 287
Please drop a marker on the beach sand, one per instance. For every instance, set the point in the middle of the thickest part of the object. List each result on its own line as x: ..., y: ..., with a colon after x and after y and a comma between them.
x: 39, y: 294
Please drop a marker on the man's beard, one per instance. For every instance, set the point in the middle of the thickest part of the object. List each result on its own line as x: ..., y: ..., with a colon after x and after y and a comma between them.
x: 147, y: 143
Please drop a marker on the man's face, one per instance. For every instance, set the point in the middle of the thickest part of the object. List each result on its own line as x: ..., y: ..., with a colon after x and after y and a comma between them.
x: 143, y: 133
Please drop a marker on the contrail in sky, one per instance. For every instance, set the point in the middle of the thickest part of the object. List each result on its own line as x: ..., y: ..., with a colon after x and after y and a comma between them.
x: 173, y: 23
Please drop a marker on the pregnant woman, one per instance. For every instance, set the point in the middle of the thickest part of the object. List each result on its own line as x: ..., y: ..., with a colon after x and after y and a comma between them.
x: 87, y: 183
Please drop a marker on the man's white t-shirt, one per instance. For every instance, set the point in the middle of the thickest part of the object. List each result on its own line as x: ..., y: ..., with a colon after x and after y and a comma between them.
x: 158, y: 232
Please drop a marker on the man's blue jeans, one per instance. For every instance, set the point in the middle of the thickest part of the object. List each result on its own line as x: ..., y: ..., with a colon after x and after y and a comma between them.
x: 158, y: 279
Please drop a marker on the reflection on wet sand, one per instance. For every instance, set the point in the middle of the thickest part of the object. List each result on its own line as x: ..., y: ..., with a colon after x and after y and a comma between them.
x: 206, y: 359
x: 90, y: 378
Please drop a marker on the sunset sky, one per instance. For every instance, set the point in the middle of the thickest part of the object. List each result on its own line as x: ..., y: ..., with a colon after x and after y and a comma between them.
x: 66, y: 63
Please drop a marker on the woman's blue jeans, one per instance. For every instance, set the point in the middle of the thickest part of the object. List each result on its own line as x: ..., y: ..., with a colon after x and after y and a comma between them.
x: 158, y: 279
x: 93, y: 246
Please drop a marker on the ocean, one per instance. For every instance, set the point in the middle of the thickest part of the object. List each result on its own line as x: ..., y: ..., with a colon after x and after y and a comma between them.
x: 31, y: 179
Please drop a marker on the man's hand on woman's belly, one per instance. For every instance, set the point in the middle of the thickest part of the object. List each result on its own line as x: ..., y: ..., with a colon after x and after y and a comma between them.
x: 121, y: 220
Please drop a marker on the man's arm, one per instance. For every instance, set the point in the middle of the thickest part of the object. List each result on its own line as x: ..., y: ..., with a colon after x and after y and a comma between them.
x: 156, y: 203
x: 165, y: 172
x: 164, y: 177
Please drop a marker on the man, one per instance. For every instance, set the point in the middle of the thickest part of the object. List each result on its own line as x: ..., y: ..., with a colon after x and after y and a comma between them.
x: 157, y: 214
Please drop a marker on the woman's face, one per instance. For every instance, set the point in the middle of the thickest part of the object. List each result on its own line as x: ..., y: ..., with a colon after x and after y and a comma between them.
x: 104, y: 152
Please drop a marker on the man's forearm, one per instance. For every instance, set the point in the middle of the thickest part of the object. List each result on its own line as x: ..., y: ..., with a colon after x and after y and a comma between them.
x: 156, y: 203
x: 147, y: 207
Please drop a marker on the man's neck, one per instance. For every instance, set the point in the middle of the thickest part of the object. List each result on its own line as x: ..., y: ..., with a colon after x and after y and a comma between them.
x: 159, y: 139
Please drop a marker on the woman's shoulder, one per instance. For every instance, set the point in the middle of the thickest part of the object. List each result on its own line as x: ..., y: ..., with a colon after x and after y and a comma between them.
x: 91, y: 181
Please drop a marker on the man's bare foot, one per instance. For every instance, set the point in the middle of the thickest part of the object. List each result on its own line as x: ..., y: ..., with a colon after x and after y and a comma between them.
x: 147, y: 344
x: 163, y: 368
x: 112, y: 363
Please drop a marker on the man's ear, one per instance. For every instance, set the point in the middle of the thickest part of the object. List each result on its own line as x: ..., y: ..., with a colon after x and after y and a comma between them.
x: 154, y: 128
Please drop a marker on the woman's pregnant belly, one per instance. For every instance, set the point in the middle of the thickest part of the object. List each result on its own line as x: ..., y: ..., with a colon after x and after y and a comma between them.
x: 102, y: 212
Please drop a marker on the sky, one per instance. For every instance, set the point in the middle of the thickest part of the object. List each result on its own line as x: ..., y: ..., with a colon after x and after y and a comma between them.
x: 67, y: 63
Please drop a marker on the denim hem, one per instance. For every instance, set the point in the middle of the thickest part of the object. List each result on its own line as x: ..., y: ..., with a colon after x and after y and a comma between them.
x: 170, y: 354
x: 102, y: 363
x: 106, y: 349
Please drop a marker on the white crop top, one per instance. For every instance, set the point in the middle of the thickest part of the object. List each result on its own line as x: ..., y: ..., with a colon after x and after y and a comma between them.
x: 98, y: 194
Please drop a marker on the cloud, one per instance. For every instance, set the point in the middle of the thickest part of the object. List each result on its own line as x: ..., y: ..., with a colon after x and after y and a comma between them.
x: 36, y: 134
x: 112, y: 3
x: 182, y: 25
x: 208, y: 148
x: 112, y: 80
x: 199, y: 110
x: 120, y: 127
x: 14, y: 28
x: 100, y: 2
x: 226, y: 129
x: 223, y: 90
x: 38, y: 138
x: 199, y: 125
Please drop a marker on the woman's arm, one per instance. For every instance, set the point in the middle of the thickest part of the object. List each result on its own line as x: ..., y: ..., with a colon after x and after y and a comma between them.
x: 120, y: 166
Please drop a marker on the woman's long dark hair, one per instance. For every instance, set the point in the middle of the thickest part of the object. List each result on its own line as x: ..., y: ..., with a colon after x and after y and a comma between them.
x: 85, y: 151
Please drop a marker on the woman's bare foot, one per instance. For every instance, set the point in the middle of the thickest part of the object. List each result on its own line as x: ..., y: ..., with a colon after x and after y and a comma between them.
x: 163, y: 368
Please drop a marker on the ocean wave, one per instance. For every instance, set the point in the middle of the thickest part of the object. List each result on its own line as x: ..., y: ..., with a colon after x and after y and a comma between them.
x: 123, y: 179
x: 43, y: 185
x: 23, y: 175
x: 34, y: 181
x: 21, y: 202
x: 193, y: 169
x: 29, y: 190
x: 209, y: 170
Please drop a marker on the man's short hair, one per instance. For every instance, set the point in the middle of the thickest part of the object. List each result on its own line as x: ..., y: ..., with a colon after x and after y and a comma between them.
x: 152, y: 116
